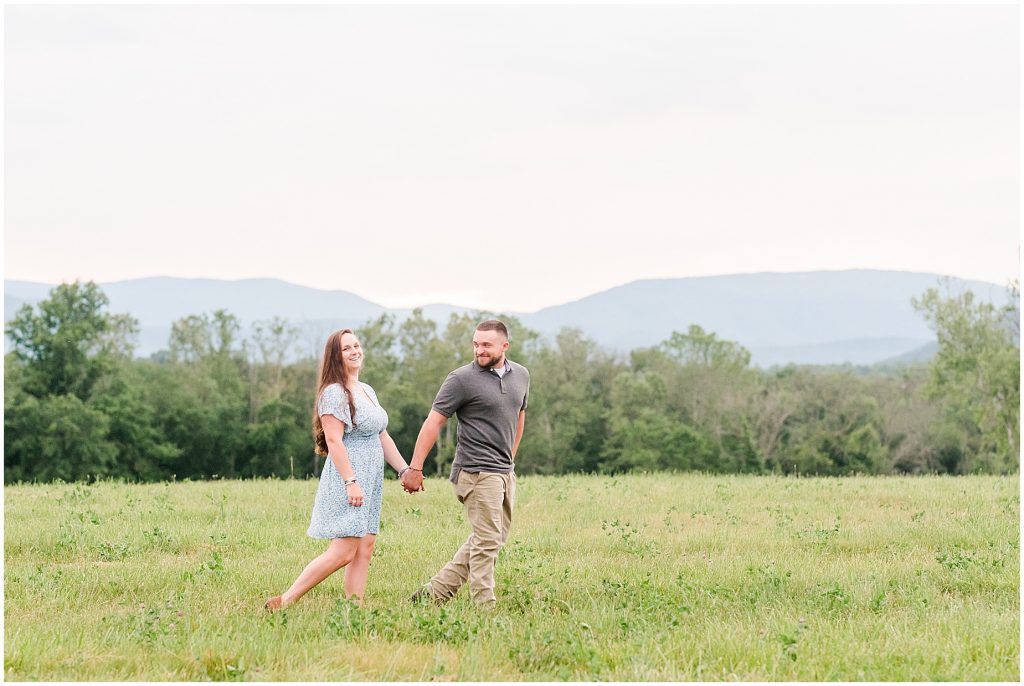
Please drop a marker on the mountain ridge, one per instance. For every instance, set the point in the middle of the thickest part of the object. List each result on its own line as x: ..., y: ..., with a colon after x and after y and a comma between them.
x: 858, y: 316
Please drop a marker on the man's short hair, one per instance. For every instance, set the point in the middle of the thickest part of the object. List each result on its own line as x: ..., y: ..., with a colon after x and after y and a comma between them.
x: 493, y: 325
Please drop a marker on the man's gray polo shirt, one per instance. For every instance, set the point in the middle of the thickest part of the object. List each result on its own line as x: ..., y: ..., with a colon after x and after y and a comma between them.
x: 487, y: 407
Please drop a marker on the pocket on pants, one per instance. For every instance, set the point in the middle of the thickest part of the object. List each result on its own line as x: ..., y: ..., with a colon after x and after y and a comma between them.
x: 464, y: 484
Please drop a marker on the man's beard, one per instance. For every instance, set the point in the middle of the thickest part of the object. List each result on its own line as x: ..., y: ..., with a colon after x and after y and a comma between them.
x: 494, y: 361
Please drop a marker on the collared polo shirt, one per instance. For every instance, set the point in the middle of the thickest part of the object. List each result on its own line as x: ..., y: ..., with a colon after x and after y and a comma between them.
x: 487, y: 406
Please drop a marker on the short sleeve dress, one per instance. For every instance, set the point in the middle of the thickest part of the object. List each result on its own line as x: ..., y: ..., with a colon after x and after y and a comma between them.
x: 332, y: 516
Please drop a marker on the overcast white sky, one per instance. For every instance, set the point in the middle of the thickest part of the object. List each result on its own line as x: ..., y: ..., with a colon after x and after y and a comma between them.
x: 508, y: 157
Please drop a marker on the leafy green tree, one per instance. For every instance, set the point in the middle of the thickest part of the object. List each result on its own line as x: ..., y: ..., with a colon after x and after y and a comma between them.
x: 909, y: 421
x: 642, y: 436
x: 266, y: 352
x: 425, y: 363
x: 202, y: 401
x: 276, y: 444
x: 710, y: 387
x: 67, y: 342
x: 143, y: 451
x: 976, y: 373
x: 569, y: 389
x: 69, y: 358
x: 56, y: 437
x: 772, y: 411
x: 379, y: 339
x: 835, y: 426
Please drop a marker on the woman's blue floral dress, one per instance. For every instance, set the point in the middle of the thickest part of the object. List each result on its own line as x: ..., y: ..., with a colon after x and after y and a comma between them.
x: 333, y: 517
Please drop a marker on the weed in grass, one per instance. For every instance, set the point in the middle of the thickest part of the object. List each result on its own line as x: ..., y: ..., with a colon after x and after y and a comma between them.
x: 86, y: 515
x: 155, y: 622
x: 631, y: 538
x: 347, y: 619
x: 77, y: 494
x: 559, y: 655
x: 222, y: 667
x: 639, y: 599
x: 159, y: 538
x: 879, y: 602
x: 833, y: 597
x: 955, y: 559
x: 70, y: 537
x: 278, y: 620
x: 161, y: 505
x: 44, y: 577
x: 221, y: 505
x: 110, y: 552
x: 212, y: 565
x: 766, y: 584
x: 440, y: 626
x: 520, y: 577
x: 789, y: 640
x: 215, y: 563
x: 668, y: 521
x: 722, y: 492
x: 820, y: 536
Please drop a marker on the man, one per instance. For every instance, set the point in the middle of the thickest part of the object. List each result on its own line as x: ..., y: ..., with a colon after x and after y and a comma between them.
x: 489, y: 398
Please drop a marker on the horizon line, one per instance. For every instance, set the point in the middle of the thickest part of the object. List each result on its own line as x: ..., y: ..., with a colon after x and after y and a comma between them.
x: 510, y: 311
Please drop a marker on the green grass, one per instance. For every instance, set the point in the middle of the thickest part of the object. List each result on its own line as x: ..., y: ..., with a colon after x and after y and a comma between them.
x: 631, y: 578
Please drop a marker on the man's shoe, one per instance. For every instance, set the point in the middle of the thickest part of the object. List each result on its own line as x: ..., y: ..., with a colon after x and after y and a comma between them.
x: 423, y: 593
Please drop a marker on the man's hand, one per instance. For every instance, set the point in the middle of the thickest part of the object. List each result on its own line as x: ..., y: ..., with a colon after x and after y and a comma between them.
x: 431, y: 429
x: 412, y: 481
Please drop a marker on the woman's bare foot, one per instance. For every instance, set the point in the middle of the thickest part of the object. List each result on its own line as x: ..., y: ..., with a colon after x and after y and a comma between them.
x: 272, y: 604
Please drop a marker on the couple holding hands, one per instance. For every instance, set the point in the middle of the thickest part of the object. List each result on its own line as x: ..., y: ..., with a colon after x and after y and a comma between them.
x: 489, y: 397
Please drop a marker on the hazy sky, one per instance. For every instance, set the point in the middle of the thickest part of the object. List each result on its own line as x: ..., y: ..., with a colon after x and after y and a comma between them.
x: 508, y: 157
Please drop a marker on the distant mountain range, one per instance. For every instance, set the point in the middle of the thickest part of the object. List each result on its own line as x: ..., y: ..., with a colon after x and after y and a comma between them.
x: 858, y: 316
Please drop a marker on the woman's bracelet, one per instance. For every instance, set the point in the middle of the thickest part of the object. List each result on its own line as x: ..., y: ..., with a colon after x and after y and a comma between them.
x: 403, y: 471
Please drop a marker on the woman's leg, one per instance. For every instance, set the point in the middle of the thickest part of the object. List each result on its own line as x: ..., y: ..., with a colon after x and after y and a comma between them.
x: 340, y: 552
x: 359, y: 570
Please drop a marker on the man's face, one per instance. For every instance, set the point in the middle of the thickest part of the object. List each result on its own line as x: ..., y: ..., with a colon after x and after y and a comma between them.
x: 489, y: 348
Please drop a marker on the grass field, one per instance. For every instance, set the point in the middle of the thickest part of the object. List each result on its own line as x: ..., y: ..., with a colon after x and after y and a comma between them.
x: 674, y: 577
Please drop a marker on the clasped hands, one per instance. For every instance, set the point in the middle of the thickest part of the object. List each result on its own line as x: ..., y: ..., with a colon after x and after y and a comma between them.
x: 412, y: 480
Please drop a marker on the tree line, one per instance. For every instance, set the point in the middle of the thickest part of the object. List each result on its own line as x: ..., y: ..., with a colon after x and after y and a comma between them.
x: 220, y: 404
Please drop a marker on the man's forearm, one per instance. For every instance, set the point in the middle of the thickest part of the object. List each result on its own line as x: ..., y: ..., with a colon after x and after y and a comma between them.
x: 424, y: 442
x: 519, y: 434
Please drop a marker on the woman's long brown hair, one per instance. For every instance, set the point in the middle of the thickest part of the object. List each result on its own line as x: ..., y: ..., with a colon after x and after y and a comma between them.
x: 332, y: 370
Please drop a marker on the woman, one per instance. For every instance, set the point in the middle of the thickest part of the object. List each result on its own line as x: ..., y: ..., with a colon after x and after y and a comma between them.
x: 349, y: 427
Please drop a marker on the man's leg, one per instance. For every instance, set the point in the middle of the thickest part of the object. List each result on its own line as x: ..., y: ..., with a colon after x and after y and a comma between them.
x: 490, y: 515
x: 447, y: 582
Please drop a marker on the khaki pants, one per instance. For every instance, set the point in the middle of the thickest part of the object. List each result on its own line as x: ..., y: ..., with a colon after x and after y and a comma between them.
x: 489, y: 499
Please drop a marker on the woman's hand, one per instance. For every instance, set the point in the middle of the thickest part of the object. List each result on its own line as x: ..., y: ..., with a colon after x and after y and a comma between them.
x: 355, y: 495
x: 412, y: 480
